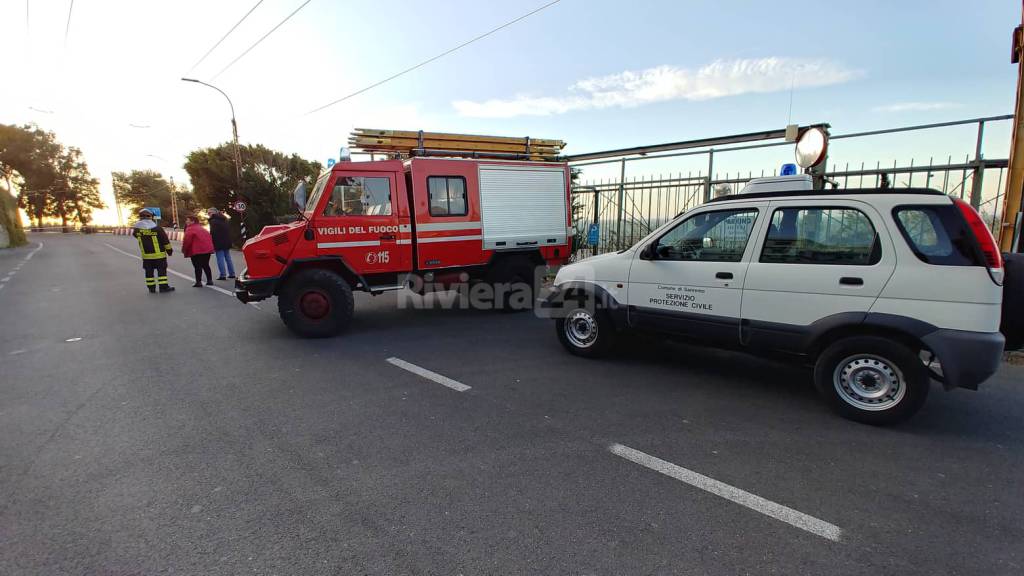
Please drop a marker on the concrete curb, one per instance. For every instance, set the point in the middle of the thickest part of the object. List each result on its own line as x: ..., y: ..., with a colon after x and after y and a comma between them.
x: 1016, y: 358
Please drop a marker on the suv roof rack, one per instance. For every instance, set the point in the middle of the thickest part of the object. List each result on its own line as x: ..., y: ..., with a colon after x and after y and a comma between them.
x: 831, y: 192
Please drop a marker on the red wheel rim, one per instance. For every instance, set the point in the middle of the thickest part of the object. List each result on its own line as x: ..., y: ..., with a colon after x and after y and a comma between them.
x: 314, y: 304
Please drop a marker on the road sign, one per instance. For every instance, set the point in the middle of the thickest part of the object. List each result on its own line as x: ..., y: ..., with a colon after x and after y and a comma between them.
x: 592, y: 234
x: 330, y: 162
x: 155, y: 211
x: 239, y: 206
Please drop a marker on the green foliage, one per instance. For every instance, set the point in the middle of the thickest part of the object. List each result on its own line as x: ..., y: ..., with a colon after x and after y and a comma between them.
x: 146, y: 188
x: 268, y: 177
x: 53, y: 180
x: 576, y: 211
x: 9, y: 218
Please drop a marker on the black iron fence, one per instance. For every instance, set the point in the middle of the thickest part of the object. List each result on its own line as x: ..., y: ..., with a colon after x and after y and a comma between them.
x: 627, y: 209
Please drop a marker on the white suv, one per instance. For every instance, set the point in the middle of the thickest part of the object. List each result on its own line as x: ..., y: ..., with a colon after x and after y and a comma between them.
x: 881, y: 289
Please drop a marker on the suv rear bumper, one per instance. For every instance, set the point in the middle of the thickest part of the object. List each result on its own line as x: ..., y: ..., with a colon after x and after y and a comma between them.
x: 254, y: 289
x: 967, y: 358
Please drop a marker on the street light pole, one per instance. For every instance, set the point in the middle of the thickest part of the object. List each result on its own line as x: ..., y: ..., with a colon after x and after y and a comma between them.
x: 237, y: 153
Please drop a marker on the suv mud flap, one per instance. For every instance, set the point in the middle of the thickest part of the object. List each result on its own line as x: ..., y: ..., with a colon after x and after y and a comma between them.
x: 552, y: 305
x: 967, y: 358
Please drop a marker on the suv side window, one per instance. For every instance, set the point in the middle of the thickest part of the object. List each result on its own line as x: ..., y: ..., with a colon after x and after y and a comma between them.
x: 842, y: 236
x: 360, y: 196
x: 938, y: 235
x: 447, y: 195
x: 719, y: 236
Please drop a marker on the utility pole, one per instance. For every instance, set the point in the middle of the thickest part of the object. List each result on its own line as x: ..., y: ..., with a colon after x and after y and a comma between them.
x: 174, y: 205
x: 117, y: 200
x: 237, y: 153
x: 1009, y: 230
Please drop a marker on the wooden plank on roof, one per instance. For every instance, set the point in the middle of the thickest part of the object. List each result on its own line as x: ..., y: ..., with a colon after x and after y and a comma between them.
x: 410, y: 143
x: 456, y: 137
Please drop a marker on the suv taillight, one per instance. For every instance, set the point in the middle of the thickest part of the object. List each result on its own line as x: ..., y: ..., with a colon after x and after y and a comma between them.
x: 982, y: 234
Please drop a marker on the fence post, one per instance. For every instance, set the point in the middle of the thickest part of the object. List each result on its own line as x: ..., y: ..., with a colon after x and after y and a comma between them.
x: 597, y: 220
x: 622, y: 201
x: 979, y: 170
x: 711, y: 168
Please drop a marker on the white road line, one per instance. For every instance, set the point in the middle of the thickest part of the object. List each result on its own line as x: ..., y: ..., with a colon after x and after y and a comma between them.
x: 175, y: 272
x: 741, y: 497
x: 419, y: 371
x: 7, y: 278
x: 33, y: 253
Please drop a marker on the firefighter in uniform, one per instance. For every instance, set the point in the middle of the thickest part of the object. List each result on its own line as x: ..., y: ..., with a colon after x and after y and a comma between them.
x: 155, y: 248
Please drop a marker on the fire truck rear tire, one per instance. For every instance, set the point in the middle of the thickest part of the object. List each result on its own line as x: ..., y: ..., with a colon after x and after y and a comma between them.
x: 508, y: 279
x: 316, y: 303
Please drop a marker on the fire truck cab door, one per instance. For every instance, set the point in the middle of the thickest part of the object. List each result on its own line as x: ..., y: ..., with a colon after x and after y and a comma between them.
x: 365, y: 220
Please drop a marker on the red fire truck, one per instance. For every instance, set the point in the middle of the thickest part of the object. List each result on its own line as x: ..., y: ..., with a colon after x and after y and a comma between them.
x: 433, y: 218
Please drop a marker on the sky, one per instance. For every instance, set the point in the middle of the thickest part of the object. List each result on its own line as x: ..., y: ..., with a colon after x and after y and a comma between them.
x: 598, y: 74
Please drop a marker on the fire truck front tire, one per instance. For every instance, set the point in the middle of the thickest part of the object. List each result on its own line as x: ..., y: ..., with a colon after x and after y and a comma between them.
x: 316, y: 303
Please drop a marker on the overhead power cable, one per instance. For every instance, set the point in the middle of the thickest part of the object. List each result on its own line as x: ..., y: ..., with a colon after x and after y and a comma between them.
x: 429, y: 60
x: 67, y: 27
x: 264, y: 37
x: 222, y: 38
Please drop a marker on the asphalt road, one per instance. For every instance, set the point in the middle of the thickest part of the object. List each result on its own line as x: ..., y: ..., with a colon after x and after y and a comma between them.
x: 188, y: 433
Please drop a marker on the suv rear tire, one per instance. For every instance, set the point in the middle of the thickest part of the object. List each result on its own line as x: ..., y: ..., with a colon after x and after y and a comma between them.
x: 872, y: 379
x: 586, y: 331
x: 316, y: 303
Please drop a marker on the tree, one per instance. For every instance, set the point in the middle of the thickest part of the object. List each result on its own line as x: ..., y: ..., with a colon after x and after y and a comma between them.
x: 28, y: 161
x: 142, y: 188
x: 268, y: 177
x: 74, y: 193
x: 53, y: 180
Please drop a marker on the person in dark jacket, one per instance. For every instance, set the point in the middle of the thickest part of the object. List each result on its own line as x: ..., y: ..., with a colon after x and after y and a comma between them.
x: 221, y: 233
x: 155, y: 248
x: 198, y: 246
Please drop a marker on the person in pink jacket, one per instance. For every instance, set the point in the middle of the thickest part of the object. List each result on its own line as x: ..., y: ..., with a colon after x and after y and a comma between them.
x: 198, y: 245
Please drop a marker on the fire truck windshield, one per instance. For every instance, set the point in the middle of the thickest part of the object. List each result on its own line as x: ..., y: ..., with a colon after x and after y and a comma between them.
x: 314, y: 197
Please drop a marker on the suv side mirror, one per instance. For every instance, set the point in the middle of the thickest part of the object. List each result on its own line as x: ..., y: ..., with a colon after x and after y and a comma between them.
x: 650, y: 252
x: 308, y: 234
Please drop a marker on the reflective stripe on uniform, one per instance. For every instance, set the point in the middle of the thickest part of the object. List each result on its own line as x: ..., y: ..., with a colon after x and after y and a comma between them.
x: 150, y: 281
x: 149, y: 245
x: 162, y: 279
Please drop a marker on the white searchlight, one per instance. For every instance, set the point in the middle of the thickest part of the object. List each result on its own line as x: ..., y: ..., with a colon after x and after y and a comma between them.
x: 811, y: 147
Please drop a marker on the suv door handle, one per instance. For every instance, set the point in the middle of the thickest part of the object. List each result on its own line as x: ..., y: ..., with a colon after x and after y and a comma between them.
x: 724, y: 275
x: 851, y: 281
x: 387, y: 237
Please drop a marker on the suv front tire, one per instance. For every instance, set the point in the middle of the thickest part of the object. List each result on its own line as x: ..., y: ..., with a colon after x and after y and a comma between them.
x: 872, y: 379
x: 586, y: 330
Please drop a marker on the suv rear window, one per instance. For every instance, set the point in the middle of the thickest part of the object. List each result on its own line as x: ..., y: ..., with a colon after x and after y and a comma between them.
x: 827, y: 235
x: 938, y: 235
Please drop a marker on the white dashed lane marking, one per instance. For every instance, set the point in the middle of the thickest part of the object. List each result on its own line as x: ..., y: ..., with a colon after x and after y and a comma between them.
x: 429, y: 375
x: 741, y: 497
x: 175, y: 272
x: 7, y: 278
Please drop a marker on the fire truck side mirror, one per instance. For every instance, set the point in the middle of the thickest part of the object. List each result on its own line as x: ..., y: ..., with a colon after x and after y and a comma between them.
x: 308, y: 234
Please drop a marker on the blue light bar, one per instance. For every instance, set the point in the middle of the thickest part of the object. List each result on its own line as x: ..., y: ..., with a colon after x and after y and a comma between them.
x: 788, y: 170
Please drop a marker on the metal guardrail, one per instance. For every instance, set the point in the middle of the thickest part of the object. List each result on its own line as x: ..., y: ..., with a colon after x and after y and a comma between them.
x: 649, y: 201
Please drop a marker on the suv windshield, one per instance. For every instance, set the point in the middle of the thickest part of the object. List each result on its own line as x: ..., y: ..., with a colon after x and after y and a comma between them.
x: 314, y: 198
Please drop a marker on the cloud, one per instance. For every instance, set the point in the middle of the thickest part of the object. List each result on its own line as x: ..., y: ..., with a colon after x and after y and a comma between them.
x: 631, y: 88
x: 915, y: 106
